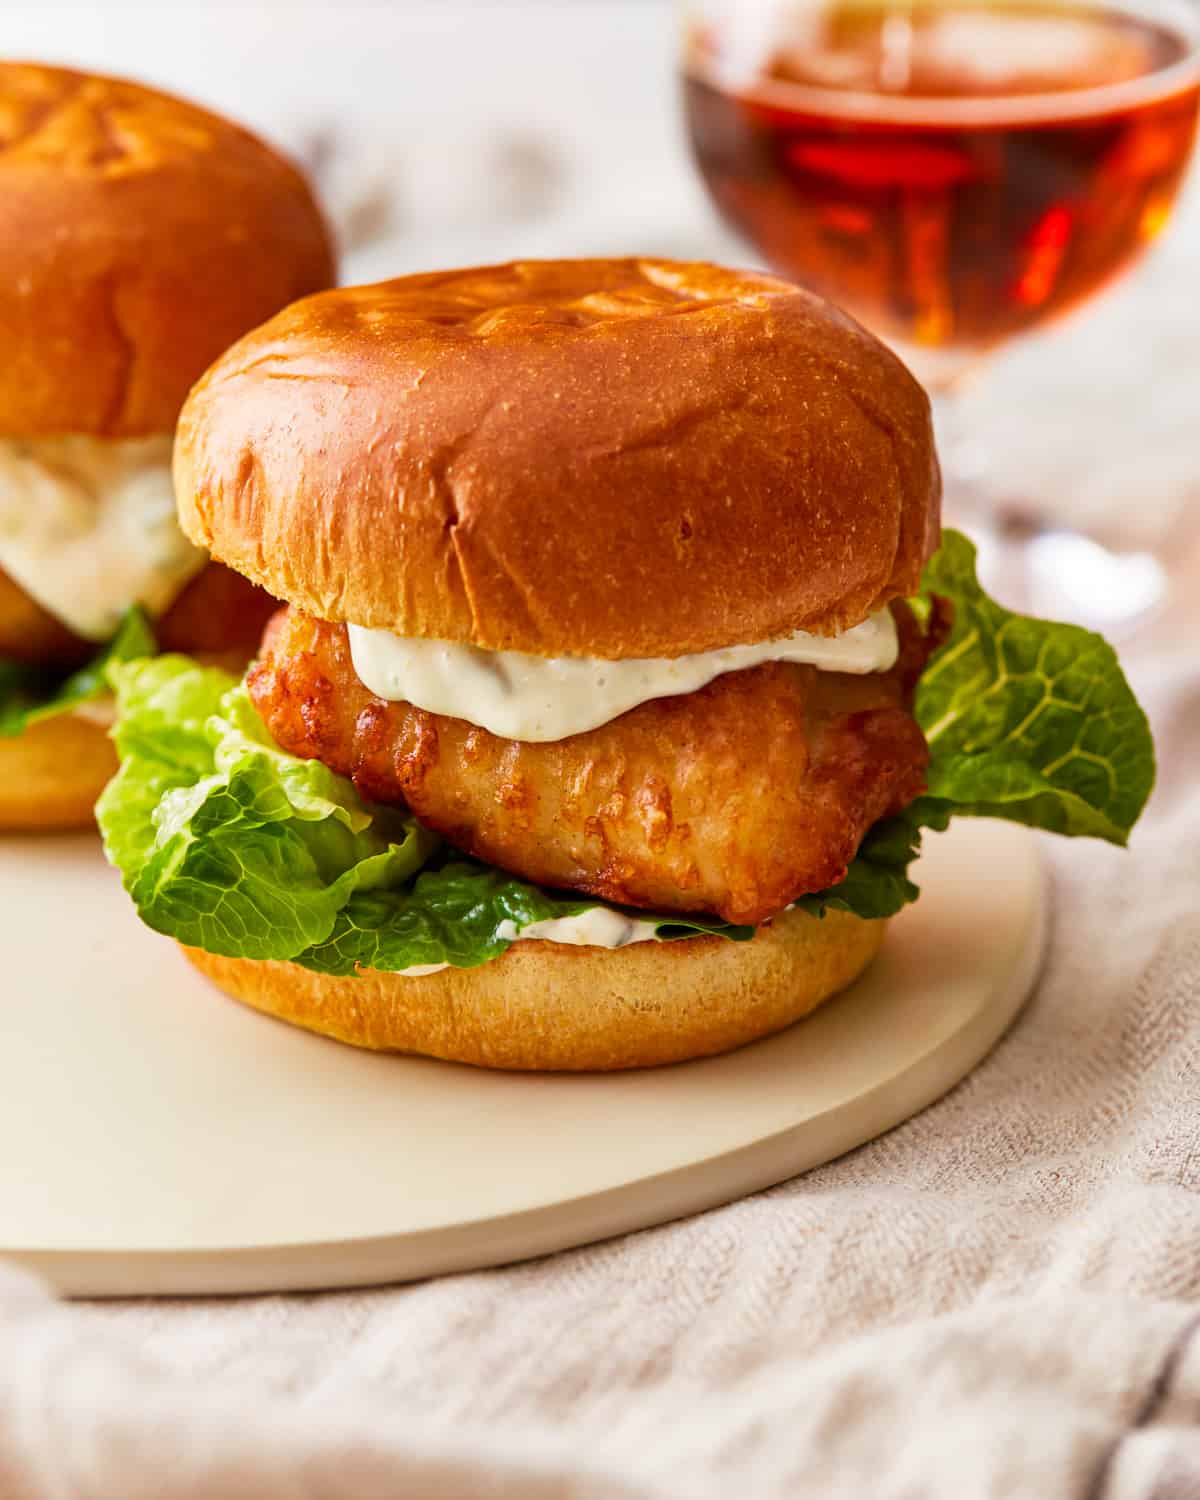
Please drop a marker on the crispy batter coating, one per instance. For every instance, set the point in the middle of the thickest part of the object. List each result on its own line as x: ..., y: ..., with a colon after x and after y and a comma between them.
x: 219, y: 613
x: 735, y: 799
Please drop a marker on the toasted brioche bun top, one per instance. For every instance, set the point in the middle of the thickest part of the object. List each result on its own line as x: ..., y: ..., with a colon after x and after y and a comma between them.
x: 611, y: 458
x: 139, y: 236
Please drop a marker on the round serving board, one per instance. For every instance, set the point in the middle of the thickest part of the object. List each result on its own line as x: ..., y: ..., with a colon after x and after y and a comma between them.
x: 158, y: 1138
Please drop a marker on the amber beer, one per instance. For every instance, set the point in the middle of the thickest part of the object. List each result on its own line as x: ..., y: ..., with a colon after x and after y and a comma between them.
x: 952, y: 173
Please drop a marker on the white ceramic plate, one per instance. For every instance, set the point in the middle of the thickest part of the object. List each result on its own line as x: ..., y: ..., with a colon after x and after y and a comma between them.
x: 155, y: 1137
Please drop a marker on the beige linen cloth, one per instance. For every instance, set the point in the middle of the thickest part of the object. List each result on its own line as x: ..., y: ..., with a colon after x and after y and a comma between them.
x: 1001, y: 1298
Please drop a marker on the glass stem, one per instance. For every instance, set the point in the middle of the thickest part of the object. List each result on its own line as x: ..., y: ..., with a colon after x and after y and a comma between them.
x: 1026, y: 562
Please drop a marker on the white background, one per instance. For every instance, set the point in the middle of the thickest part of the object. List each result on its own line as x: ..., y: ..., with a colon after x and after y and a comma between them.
x: 446, y: 132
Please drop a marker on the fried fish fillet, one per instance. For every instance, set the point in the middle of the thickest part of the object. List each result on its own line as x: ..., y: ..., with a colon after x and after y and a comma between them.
x: 735, y: 799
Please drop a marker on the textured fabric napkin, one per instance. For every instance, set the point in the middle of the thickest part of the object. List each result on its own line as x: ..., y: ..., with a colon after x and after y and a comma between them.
x: 1001, y: 1298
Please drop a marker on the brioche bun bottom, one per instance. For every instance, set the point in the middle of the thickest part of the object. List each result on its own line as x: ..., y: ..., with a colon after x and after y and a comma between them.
x: 551, y: 1007
x: 52, y: 773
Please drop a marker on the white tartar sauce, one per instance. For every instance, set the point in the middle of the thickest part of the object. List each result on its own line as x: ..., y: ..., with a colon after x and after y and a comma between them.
x: 598, y: 927
x: 520, y: 697
x: 88, y: 527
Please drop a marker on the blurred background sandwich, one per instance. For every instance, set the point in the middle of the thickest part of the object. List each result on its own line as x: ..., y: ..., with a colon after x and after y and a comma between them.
x: 139, y: 236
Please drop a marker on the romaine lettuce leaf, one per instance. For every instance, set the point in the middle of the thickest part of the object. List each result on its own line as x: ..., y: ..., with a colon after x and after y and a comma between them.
x: 453, y: 913
x: 227, y: 843
x: 1028, y: 720
x: 230, y: 844
x: 30, y: 694
x: 1025, y: 719
x: 877, y: 884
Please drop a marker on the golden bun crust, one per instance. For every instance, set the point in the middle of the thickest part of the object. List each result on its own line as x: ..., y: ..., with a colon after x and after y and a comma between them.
x: 610, y: 458
x: 547, y: 1007
x: 139, y: 236
x: 51, y: 775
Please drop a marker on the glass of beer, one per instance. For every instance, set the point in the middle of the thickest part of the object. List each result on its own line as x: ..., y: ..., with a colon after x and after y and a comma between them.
x: 955, y: 173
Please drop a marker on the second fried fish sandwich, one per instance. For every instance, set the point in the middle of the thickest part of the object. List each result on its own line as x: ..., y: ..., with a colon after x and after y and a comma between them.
x: 139, y: 236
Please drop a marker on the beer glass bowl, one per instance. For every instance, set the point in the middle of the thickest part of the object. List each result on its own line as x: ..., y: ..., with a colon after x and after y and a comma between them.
x: 956, y: 174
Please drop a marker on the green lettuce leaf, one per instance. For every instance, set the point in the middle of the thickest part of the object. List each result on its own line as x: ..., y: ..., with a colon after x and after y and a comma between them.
x: 227, y: 843
x: 456, y: 913
x: 877, y: 884
x: 230, y: 844
x: 1028, y: 720
x: 30, y: 694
